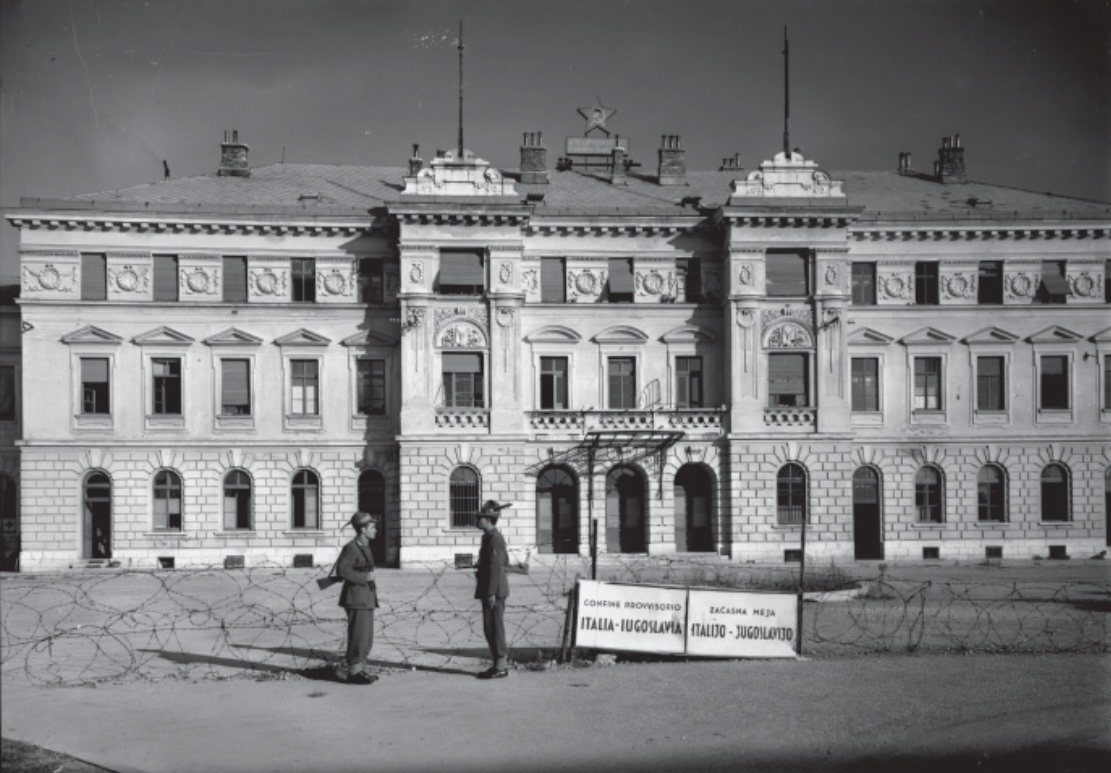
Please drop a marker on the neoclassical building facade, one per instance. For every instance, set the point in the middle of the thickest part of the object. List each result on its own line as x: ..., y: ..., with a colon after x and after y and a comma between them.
x: 219, y: 370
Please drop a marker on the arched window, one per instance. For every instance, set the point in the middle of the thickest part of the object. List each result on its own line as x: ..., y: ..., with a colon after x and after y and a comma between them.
x: 167, y: 501
x: 306, y: 500
x: 790, y: 494
x: 991, y: 503
x: 237, y: 500
x: 464, y: 497
x: 625, y: 528
x: 557, y: 511
x: 98, y: 516
x: 1055, y: 493
x: 928, y: 496
x: 9, y: 525
x: 694, y: 531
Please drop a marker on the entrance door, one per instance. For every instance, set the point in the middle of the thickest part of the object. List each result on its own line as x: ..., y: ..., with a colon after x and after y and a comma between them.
x: 98, y: 516
x: 625, y: 531
x: 372, y: 499
x: 693, y: 528
x: 867, y: 525
x: 557, y: 512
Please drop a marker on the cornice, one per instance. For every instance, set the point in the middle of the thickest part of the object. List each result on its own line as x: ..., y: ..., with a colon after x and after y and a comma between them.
x: 151, y: 223
x: 937, y: 233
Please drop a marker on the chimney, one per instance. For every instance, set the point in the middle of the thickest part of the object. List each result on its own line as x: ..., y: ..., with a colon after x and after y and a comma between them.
x: 233, y: 157
x: 673, y: 162
x: 534, y: 159
x: 949, y: 167
x: 416, y: 163
x: 731, y: 164
x: 618, y: 176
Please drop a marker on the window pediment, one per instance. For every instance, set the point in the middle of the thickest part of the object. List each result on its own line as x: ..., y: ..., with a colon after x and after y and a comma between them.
x: 92, y: 335
x: 370, y: 338
x: 302, y: 337
x: 1103, y: 336
x: 233, y: 337
x: 554, y: 334
x: 869, y: 337
x: 926, y: 336
x: 688, y: 334
x: 1054, y: 335
x: 621, y: 334
x: 163, y: 336
x: 991, y: 335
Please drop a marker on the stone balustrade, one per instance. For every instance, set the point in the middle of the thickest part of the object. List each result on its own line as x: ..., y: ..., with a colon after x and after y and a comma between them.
x: 802, y: 418
x: 463, y: 418
x: 690, y: 420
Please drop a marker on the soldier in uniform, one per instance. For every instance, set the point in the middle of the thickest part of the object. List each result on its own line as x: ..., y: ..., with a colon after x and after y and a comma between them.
x: 493, y: 589
x: 359, y: 596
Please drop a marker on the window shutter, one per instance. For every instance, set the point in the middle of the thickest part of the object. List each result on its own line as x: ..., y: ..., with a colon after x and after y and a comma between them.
x: 94, y: 371
x: 236, y: 382
x: 94, y: 278
x: 165, y: 278
x: 552, y: 283
x: 235, y: 280
x: 787, y: 374
x: 456, y: 362
x: 461, y: 267
x: 621, y: 276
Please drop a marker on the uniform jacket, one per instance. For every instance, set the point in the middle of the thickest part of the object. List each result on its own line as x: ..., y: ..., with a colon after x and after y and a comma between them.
x: 354, y: 566
x: 493, y: 557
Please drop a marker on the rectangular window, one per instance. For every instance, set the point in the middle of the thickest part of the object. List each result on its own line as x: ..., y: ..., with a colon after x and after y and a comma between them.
x: 94, y: 385
x: 788, y: 380
x: 688, y: 382
x: 371, y: 387
x: 1107, y: 282
x: 622, y: 383
x: 167, y: 508
x: 1055, y: 382
x: 7, y: 393
x: 463, y: 380
x: 553, y: 383
x: 785, y: 272
x: 864, y: 284
x: 235, y: 381
x: 925, y: 284
x: 167, y: 386
x: 305, y: 375
x: 990, y: 287
x: 553, y: 284
x: 165, y: 278
x: 303, y: 272
x: 462, y: 272
x: 1054, y: 288
x: 990, y: 390
x: 927, y: 383
x: 621, y: 280
x: 1106, y: 383
x: 235, y: 280
x: 866, y: 380
x: 94, y: 278
x: 371, y: 281
x: 688, y: 272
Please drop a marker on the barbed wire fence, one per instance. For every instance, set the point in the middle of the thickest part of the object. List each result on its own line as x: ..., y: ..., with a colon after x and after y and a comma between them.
x: 271, y: 621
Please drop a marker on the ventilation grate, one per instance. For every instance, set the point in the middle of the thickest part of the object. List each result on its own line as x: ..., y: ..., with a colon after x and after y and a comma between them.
x: 931, y: 554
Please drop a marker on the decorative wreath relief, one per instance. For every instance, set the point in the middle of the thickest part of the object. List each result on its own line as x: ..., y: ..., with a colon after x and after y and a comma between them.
x: 1083, y: 285
x: 266, y: 282
x: 586, y: 283
x: 505, y: 273
x: 128, y: 280
x: 960, y: 286
x: 746, y: 274
x: 528, y: 277
x: 49, y: 278
x: 831, y: 275
x: 1019, y: 285
x: 895, y: 287
x: 199, y: 281
x: 746, y: 318
x: 334, y: 282
x: 651, y: 283
x: 505, y: 316
x: 416, y: 272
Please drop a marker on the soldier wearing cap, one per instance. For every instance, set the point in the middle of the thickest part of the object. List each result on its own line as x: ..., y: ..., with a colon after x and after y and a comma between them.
x: 493, y: 589
x: 359, y: 596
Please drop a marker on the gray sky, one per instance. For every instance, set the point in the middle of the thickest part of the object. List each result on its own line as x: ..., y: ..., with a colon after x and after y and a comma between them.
x: 96, y: 93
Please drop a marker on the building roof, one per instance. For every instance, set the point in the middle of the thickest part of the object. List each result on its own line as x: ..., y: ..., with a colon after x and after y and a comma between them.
x: 332, y: 189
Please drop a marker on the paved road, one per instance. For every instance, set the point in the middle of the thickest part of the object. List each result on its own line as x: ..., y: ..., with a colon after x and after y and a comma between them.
x: 951, y: 713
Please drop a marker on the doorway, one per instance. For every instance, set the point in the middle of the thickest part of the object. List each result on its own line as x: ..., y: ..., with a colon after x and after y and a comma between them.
x: 867, y: 524
x: 372, y: 499
x: 97, y: 537
x: 625, y: 532
x: 694, y: 531
x: 557, y: 512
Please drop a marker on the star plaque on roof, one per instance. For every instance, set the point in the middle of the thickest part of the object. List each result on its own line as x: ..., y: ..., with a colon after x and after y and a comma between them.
x: 596, y: 117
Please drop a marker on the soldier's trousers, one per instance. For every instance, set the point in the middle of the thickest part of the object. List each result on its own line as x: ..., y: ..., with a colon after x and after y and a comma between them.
x: 493, y: 625
x: 360, y: 638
